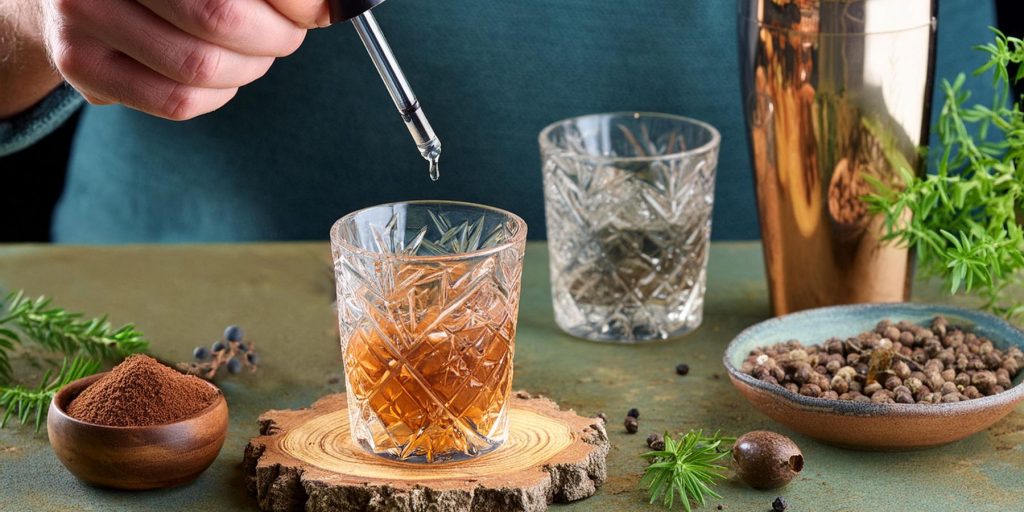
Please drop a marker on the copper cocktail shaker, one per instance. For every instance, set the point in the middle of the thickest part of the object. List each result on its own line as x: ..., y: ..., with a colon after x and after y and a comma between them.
x: 834, y: 91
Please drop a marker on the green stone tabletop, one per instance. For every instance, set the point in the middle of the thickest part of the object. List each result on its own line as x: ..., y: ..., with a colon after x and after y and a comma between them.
x: 183, y: 296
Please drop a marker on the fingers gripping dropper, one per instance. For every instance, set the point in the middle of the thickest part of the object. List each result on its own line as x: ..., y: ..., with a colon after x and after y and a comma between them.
x: 380, y: 52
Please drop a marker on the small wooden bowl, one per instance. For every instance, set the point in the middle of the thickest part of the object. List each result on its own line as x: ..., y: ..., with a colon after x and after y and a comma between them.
x: 871, y: 426
x: 148, y: 457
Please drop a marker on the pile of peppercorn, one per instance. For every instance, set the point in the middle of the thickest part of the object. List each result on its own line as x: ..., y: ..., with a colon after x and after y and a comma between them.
x: 896, y: 362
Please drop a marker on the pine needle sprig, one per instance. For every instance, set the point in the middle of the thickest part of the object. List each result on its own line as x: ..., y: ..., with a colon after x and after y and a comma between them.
x: 963, y: 220
x: 25, y: 404
x: 7, y: 340
x: 686, y: 468
x: 62, y: 331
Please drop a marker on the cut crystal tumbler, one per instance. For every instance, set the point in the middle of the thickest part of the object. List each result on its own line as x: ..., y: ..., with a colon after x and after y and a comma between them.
x: 628, y: 200
x: 428, y: 294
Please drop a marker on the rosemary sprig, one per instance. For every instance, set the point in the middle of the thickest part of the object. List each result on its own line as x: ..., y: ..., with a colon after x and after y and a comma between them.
x: 24, y: 403
x: 686, y: 468
x: 86, y: 343
x: 963, y: 221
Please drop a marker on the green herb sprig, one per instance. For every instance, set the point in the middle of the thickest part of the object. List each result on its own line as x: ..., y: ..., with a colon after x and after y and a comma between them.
x: 963, y: 221
x: 24, y: 403
x: 82, y: 344
x: 687, y: 468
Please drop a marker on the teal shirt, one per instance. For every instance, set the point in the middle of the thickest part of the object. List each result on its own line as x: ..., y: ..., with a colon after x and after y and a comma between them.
x: 318, y: 136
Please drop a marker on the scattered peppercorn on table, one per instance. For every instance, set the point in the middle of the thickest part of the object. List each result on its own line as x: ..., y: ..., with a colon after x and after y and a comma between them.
x: 182, y: 296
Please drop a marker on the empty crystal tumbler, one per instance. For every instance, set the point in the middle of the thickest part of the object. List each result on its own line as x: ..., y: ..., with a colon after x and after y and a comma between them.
x: 628, y: 200
x: 428, y: 295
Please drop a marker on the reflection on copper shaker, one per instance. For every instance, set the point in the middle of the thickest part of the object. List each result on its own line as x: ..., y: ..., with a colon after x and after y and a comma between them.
x: 834, y: 90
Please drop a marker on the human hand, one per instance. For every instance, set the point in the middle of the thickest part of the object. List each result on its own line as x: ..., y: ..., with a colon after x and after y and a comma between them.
x: 175, y: 59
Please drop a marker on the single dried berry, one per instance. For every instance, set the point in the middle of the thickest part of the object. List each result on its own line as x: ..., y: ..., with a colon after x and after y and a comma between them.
x: 891, y: 332
x: 803, y: 373
x: 810, y: 390
x: 766, y: 460
x: 634, y: 413
x: 682, y: 368
x: 234, y: 366
x: 200, y: 353
x: 631, y: 425
x: 984, y: 381
x: 218, y: 346
x: 655, y: 442
x: 779, y: 505
x: 1003, y: 378
x: 233, y: 333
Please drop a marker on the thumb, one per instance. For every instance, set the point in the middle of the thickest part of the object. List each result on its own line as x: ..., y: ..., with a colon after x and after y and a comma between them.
x: 304, y: 13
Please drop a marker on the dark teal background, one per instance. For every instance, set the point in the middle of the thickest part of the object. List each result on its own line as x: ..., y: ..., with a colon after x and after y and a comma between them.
x: 319, y: 137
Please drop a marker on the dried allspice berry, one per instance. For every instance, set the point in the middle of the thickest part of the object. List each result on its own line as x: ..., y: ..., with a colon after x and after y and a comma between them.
x: 656, y: 442
x: 631, y: 425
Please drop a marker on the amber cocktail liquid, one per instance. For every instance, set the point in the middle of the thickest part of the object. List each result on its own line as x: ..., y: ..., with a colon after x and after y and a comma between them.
x: 428, y: 294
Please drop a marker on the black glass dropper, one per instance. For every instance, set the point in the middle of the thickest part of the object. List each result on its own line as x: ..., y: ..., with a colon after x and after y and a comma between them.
x: 380, y: 52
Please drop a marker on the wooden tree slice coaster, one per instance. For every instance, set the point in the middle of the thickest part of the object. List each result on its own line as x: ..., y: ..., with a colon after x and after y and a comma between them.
x: 305, y: 460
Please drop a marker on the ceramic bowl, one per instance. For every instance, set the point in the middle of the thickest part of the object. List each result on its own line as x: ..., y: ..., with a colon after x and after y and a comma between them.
x: 871, y: 426
x: 148, y: 457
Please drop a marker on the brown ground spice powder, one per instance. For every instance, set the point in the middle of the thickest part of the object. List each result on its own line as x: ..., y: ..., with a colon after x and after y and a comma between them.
x: 141, y: 391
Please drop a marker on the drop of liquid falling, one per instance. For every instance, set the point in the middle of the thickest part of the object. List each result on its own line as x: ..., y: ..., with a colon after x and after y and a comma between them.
x: 435, y: 170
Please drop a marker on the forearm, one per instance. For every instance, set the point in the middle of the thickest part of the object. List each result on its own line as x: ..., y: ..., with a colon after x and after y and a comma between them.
x: 26, y: 75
